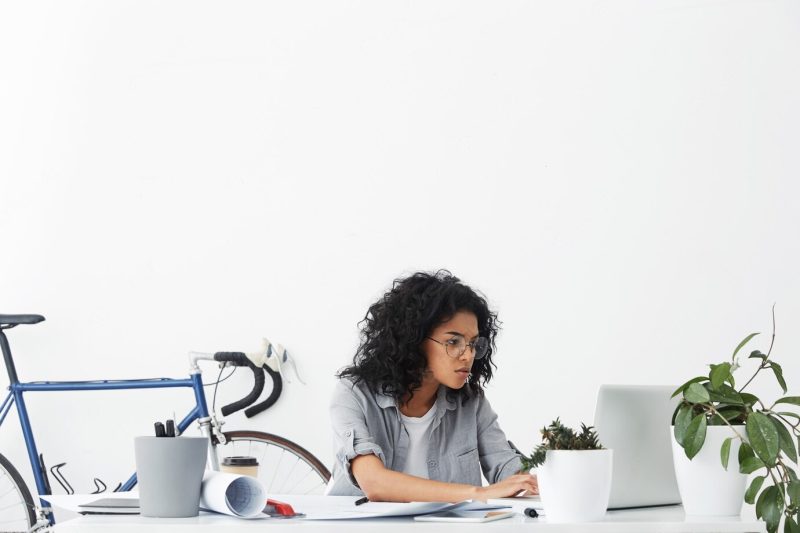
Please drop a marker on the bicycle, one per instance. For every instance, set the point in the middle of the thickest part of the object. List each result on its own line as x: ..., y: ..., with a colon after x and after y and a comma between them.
x: 303, y: 473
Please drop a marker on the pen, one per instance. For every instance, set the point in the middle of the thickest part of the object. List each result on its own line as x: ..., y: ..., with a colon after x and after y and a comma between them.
x: 531, y: 512
x: 170, y: 428
x: 159, y: 429
x: 362, y: 500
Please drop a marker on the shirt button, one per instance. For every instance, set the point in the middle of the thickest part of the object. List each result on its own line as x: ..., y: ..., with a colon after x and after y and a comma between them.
x: 347, y: 433
x: 432, y: 463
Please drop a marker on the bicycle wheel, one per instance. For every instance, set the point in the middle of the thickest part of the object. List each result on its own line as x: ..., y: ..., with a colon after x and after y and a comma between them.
x: 284, y: 467
x: 16, y: 503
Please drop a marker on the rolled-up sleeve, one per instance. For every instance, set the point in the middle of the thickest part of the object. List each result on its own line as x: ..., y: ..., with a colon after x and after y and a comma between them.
x: 351, y: 434
x: 498, y: 459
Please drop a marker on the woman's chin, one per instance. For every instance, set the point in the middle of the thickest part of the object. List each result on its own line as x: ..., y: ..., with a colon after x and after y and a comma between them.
x: 457, y: 384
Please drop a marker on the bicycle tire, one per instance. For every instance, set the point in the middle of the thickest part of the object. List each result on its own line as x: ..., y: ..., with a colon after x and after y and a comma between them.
x: 279, y: 459
x: 22, y: 512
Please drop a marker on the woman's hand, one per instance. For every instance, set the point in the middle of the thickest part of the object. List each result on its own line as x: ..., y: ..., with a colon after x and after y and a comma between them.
x: 526, y: 484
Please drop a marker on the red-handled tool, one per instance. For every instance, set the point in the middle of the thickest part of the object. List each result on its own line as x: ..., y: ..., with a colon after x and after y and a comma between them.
x: 274, y: 507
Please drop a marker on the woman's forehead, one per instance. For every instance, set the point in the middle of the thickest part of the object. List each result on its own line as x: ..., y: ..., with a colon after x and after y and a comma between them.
x: 464, y: 323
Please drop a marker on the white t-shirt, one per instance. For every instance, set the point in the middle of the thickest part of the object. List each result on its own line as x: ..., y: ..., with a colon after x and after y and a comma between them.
x: 418, y: 438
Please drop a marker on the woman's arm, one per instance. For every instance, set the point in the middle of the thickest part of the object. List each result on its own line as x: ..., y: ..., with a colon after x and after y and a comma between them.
x: 382, y: 484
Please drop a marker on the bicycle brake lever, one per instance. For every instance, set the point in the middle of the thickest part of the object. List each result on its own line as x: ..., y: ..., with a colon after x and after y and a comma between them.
x: 289, y: 360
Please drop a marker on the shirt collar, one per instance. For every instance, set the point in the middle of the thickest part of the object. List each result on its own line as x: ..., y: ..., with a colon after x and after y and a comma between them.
x: 444, y: 401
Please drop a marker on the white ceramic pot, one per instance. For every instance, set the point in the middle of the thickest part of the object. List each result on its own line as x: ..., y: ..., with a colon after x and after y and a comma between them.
x: 575, y: 484
x: 706, y: 488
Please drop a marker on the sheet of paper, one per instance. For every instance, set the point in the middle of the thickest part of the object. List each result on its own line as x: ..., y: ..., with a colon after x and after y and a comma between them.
x: 339, y: 510
x: 233, y: 494
x: 465, y: 516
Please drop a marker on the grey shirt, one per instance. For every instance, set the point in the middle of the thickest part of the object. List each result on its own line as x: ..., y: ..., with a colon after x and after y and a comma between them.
x: 464, y: 437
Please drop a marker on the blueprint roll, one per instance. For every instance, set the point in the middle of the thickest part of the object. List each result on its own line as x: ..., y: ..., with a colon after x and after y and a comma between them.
x: 232, y: 494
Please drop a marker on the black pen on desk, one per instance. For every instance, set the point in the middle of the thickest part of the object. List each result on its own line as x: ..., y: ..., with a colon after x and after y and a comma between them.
x: 531, y: 512
x: 362, y: 500
x: 160, y: 429
x: 170, y: 431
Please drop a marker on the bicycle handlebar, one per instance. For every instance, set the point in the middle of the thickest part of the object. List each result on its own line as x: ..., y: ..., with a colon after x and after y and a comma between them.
x: 277, y: 388
x: 240, y: 359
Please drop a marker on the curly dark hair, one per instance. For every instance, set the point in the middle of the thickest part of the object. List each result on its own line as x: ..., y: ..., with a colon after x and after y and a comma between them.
x: 390, y: 358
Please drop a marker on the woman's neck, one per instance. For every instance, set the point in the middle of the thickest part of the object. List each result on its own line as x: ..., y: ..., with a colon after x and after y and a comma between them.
x: 421, y: 401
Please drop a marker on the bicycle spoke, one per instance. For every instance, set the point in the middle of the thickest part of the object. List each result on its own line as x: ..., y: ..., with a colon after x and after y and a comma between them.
x: 277, y: 469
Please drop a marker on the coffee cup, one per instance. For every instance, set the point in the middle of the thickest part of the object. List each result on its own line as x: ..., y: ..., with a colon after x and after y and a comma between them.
x: 240, y: 464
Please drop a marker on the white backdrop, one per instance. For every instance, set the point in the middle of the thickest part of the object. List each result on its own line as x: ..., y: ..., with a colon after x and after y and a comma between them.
x: 619, y: 178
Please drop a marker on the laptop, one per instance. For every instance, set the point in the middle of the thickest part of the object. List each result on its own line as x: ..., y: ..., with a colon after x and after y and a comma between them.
x: 634, y: 421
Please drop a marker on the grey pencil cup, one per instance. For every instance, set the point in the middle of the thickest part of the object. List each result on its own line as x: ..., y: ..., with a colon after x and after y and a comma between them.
x: 170, y: 474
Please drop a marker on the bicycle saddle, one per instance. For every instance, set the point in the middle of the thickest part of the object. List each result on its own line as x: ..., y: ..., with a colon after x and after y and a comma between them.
x: 14, y: 320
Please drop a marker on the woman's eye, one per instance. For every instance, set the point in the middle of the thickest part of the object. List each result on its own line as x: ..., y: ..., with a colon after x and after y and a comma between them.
x: 454, y: 341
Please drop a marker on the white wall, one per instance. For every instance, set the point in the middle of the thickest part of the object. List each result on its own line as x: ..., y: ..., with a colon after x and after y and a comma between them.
x: 619, y: 178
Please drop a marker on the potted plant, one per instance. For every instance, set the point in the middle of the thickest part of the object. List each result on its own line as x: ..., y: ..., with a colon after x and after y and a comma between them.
x: 574, y: 473
x: 746, y: 435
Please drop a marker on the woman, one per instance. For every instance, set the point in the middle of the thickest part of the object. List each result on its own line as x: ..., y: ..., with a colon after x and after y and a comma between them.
x: 410, y: 420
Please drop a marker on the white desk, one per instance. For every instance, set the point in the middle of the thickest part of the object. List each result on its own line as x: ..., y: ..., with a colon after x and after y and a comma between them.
x: 654, y: 520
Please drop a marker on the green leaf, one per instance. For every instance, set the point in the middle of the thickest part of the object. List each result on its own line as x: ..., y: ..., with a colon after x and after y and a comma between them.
x: 675, y: 413
x: 752, y: 490
x: 790, y: 525
x: 695, y: 435
x: 763, y: 437
x: 719, y: 374
x: 794, y: 400
x: 793, y: 491
x: 745, y: 451
x: 756, y: 354
x: 785, y: 438
x: 750, y: 465
x: 682, y: 422
x: 682, y: 388
x: 778, y: 370
x: 726, y: 394
x: 725, y: 452
x: 749, y: 399
x: 732, y: 413
x: 787, y: 413
x: 696, y: 393
x: 741, y: 344
x: 770, y: 507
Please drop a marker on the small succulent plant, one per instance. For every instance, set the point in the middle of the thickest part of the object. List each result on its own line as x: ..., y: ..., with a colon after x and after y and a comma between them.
x: 557, y: 436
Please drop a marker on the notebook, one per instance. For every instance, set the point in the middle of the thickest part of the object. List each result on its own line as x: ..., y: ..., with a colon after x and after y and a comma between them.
x: 111, y: 506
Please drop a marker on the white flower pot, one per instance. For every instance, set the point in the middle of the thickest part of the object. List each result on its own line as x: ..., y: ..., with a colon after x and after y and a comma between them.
x: 575, y: 484
x: 706, y: 488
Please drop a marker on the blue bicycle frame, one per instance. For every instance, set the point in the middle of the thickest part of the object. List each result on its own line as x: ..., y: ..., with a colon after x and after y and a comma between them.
x: 17, y: 390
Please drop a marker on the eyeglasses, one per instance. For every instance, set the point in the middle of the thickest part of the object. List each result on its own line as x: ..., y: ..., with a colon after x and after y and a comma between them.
x: 456, y: 345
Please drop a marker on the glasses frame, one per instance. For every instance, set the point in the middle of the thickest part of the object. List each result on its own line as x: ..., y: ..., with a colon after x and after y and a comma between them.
x: 470, y: 345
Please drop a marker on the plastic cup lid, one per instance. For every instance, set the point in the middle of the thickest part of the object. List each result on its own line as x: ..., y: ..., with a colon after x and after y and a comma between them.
x: 240, y: 460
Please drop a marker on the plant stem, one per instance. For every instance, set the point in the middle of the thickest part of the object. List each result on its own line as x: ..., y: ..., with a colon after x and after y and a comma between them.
x: 793, y: 426
x: 772, y: 342
x: 713, y: 411
x: 763, y: 362
x: 772, y: 475
x: 762, y: 366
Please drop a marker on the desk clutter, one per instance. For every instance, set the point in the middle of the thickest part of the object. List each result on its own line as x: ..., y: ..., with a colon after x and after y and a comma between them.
x: 231, y: 494
x: 227, y: 494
